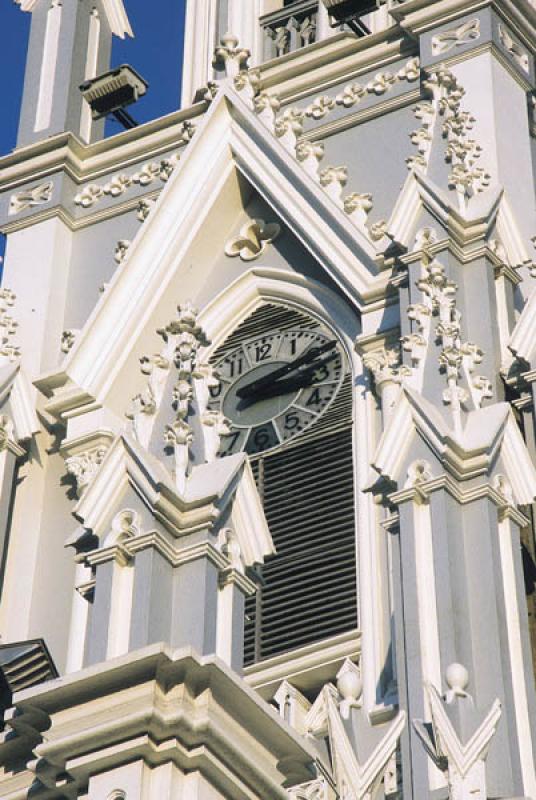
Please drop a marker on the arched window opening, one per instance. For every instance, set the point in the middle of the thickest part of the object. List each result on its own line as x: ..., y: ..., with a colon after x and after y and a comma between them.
x: 302, y: 458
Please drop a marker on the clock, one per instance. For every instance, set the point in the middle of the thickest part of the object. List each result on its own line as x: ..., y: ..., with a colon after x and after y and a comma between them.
x: 273, y: 387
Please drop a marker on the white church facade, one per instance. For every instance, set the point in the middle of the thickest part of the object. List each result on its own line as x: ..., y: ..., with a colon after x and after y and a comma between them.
x: 267, y: 410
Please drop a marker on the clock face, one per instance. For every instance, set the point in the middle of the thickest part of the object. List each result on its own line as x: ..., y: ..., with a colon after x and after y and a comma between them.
x: 275, y: 386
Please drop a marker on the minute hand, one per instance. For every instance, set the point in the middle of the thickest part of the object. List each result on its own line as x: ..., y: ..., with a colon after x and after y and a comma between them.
x: 266, y: 380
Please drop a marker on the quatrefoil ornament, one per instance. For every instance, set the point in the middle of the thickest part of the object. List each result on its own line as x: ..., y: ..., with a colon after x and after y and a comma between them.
x: 252, y: 239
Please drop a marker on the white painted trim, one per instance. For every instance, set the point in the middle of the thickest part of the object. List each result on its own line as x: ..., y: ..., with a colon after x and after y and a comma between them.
x: 428, y: 618
x: 120, y: 610
x: 79, y: 622
x: 507, y: 539
x: 523, y: 339
x: 48, y: 66
x: 117, y: 18
x: 368, y: 543
x: 199, y: 44
x: 115, y: 12
x: 90, y: 71
x: 230, y: 137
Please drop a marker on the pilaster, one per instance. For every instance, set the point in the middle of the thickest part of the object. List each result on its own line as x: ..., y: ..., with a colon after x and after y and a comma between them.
x: 69, y: 43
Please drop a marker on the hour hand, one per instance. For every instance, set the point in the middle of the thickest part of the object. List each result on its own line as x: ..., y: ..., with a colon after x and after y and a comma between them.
x: 275, y: 388
x: 286, y: 369
x: 250, y: 394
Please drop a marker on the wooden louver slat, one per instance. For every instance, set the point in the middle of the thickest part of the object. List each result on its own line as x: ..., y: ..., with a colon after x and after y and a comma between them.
x: 309, y: 590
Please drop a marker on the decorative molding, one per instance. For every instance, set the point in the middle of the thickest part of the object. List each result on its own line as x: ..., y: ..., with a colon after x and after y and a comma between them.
x: 84, y: 466
x: 267, y: 105
x: 456, y: 37
x: 183, y: 338
x: 68, y: 338
x: 29, y: 198
x: 456, y: 356
x: 247, y: 84
x: 462, y: 762
x: 487, y: 433
x: 310, y: 154
x: 121, y: 250
x: 229, y: 56
x: 419, y: 472
x: 386, y: 366
x: 314, y: 790
x: 145, y: 207
x: 333, y: 180
x: 381, y: 83
x: 254, y: 238
x: 6, y: 432
x: 187, y: 337
x: 289, y: 125
x: 517, y: 53
x: 9, y: 352
x: 293, y: 706
x: 145, y: 176
x: 358, y: 206
x: 461, y: 152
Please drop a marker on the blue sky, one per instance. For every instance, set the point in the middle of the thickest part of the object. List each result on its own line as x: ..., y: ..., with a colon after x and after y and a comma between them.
x: 155, y: 52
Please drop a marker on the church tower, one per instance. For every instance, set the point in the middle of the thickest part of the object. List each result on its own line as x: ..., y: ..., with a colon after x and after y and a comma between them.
x: 267, y: 421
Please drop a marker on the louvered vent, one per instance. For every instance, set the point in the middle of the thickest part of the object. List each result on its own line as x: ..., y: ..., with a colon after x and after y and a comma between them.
x: 309, y: 588
x: 22, y: 665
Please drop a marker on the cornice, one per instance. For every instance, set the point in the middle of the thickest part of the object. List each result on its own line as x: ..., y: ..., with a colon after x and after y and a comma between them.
x: 87, y: 162
x: 331, y: 61
x: 303, y: 665
x: 359, y: 117
x: 206, y: 695
x: 422, y: 491
x: 91, y: 218
x: 418, y: 16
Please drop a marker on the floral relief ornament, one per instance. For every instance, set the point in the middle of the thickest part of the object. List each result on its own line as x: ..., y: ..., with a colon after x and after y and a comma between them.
x: 455, y: 37
x: 253, y: 239
x: 29, y: 198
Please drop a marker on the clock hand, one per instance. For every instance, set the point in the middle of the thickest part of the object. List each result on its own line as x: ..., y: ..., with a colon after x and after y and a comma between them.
x: 298, y: 381
x: 266, y: 380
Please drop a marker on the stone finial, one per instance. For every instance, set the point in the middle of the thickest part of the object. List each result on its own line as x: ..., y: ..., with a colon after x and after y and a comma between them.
x: 464, y: 763
x: 350, y: 686
x: 230, y: 56
x: 360, y: 778
x: 457, y: 678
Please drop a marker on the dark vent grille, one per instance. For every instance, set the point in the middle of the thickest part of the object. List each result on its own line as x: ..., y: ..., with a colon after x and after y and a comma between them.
x: 261, y: 321
x: 309, y: 590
